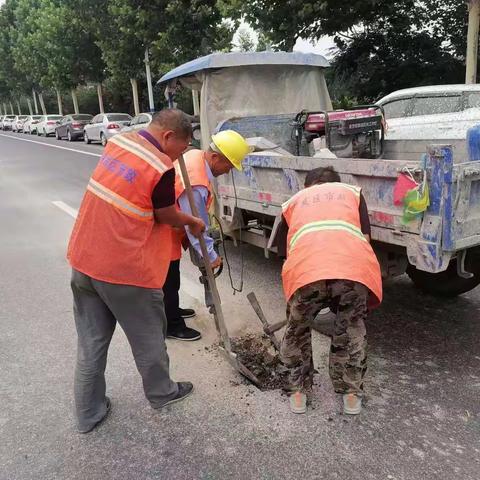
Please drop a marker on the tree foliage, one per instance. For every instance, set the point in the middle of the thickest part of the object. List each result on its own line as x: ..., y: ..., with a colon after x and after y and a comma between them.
x: 382, y: 45
x: 65, y: 43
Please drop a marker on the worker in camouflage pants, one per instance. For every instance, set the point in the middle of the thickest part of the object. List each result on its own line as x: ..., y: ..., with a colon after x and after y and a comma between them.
x: 325, y: 236
x: 348, y: 356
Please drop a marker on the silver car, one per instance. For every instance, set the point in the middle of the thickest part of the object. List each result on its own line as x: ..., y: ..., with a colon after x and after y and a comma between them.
x: 47, y: 124
x: 17, y: 124
x: 140, y: 121
x: 104, y: 126
x: 30, y: 124
x: 7, y: 122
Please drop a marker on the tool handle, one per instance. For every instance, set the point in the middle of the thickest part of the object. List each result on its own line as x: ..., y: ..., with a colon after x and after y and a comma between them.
x: 252, y: 298
x: 219, y: 319
x: 275, y: 327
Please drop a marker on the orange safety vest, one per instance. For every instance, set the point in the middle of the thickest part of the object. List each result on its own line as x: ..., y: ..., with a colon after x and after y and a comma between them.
x: 115, y: 238
x: 325, y: 240
x: 195, y: 163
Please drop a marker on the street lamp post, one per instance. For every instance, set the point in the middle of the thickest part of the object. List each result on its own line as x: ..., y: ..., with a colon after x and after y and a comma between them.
x: 149, y: 82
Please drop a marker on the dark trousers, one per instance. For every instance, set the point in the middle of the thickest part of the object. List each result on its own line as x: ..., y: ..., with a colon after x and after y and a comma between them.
x: 171, y: 296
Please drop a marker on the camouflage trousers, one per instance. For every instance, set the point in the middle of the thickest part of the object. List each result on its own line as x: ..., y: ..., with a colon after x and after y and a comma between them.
x: 348, y: 352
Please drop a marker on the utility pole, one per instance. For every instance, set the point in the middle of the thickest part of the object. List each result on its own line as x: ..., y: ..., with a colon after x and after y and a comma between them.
x: 472, y: 41
x: 149, y: 82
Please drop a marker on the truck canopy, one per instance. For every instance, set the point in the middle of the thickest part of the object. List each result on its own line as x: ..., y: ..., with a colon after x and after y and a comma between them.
x: 247, y: 84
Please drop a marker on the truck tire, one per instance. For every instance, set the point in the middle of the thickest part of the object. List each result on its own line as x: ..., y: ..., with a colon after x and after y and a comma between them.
x: 444, y: 284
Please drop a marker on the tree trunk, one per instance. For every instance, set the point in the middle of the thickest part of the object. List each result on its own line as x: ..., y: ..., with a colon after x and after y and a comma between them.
x: 136, y: 105
x: 18, y: 107
x: 59, y: 102
x: 472, y: 41
x: 11, y: 108
x: 100, y: 98
x: 29, y: 106
x: 75, y: 101
x: 35, y: 101
x: 42, y: 103
x: 196, y: 102
x: 5, y: 109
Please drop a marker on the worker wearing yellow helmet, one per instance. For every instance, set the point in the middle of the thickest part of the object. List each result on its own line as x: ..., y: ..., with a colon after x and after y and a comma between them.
x: 226, y: 151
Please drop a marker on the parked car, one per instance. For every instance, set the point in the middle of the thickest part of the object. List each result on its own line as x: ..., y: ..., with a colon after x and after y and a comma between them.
x: 47, y: 124
x: 17, y: 124
x: 30, y: 124
x: 439, y: 112
x: 1, y: 121
x: 71, y: 126
x: 140, y: 121
x: 104, y: 126
x: 7, y: 122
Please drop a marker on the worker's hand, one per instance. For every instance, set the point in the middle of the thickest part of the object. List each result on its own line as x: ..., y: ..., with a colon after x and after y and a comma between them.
x: 217, y: 263
x: 196, y: 226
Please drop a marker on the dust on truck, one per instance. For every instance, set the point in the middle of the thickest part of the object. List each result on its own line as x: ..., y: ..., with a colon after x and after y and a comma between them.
x: 280, y: 103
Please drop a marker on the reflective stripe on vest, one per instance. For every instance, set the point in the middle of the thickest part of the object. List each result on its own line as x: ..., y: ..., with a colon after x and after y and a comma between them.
x: 327, y: 225
x: 119, y: 202
x: 139, y: 151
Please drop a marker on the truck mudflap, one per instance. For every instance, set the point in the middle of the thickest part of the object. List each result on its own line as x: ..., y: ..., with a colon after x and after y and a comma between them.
x: 252, y: 200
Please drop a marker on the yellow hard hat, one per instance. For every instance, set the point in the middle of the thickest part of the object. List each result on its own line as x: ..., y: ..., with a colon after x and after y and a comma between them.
x: 233, y: 146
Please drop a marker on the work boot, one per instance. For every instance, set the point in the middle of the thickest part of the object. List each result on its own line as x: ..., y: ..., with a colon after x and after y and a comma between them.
x: 184, y: 334
x: 298, y: 402
x: 185, y: 389
x: 352, y: 404
x: 187, y: 312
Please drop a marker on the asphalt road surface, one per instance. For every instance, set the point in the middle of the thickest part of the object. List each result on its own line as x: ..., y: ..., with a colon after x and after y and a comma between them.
x: 421, y: 419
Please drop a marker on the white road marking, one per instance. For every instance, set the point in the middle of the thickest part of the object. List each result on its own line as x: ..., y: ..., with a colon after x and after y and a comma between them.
x: 52, y: 146
x: 73, y: 212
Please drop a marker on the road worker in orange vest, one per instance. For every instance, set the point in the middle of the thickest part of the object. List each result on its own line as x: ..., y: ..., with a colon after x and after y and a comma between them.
x: 227, y: 151
x: 120, y: 251
x: 325, y: 233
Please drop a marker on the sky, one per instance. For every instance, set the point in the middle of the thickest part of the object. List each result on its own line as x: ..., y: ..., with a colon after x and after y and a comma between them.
x: 323, y: 46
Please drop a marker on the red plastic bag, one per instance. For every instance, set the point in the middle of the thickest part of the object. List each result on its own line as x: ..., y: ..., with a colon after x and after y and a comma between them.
x: 403, y: 185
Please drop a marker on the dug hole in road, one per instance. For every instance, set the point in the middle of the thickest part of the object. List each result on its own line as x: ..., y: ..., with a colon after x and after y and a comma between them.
x: 421, y: 418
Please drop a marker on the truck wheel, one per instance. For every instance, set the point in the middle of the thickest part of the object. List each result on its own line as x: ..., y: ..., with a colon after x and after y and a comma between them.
x: 443, y: 284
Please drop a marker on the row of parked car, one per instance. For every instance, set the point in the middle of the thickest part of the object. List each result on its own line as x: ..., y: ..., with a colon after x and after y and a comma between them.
x: 76, y: 126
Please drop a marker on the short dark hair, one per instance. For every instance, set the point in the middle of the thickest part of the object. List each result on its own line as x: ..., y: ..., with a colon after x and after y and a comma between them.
x: 321, y: 175
x: 175, y: 120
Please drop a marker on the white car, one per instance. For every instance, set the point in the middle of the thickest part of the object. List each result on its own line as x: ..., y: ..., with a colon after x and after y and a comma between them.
x: 47, y: 124
x: 17, y: 124
x: 140, y: 121
x: 104, y: 126
x: 30, y: 124
x: 7, y: 122
x: 440, y: 112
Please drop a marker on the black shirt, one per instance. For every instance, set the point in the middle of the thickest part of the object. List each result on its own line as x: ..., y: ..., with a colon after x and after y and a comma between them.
x: 163, y: 194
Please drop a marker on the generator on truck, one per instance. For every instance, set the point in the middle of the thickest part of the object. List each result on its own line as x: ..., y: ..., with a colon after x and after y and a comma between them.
x: 280, y: 102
